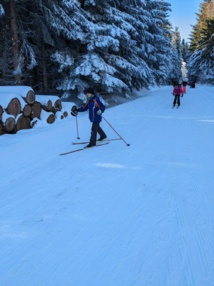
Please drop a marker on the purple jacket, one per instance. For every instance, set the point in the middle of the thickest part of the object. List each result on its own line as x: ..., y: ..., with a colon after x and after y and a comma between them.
x: 177, y: 90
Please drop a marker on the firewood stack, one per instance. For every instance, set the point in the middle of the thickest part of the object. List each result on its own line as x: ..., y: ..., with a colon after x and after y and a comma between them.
x: 20, y: 108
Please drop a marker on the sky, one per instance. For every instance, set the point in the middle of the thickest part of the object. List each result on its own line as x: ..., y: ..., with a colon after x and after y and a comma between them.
x: 183, y: 15
x: 116, y: 215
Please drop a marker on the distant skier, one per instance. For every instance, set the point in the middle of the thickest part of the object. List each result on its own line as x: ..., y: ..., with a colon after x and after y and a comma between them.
x: 96, y: 108
x: 184, y: 86
x: 177, y: 92
x: 192, y: 84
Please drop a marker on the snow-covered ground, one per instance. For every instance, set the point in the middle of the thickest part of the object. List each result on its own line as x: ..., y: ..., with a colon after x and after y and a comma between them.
x: 141, y: 215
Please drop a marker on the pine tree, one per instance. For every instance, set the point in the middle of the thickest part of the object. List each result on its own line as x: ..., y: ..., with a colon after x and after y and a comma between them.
x: 185, y: 50
x: 126, y: 43
x: 160, y: 47
x: 201, y: 62
x: 111, y: 58
x: 116, y: 46
x: 175, y: 73
x: 10, y: 47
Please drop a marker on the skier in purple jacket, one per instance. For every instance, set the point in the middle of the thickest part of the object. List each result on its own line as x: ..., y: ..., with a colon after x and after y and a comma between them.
x: 95, y: 108
x: 177, y: 91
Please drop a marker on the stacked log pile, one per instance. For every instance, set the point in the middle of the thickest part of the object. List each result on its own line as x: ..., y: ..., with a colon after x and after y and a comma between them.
x: 21, y: 109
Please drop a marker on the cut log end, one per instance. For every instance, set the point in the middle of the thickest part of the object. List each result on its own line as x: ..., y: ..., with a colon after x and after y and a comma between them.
x: 9, y: 124
x: 23, y: 123
x: 30, y: 97
x: 51, y: 119
x: 14, y: 107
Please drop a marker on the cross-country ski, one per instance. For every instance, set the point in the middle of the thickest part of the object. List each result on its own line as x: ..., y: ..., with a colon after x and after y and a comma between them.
x: 85, y: 148
x: 105, y: 140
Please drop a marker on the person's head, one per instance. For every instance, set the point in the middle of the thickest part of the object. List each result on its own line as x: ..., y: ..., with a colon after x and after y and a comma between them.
x: 89, y: 92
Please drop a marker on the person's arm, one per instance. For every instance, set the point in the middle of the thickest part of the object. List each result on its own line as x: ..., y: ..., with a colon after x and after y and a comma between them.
x: 83, y: 108
x: 101, y: 105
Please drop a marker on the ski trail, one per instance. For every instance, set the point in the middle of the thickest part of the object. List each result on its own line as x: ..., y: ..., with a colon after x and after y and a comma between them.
x: 117, y: 215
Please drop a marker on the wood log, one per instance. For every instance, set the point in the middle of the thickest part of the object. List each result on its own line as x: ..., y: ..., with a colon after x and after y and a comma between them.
x: 58, y: 105
x: 26, y: 92
x: 9, y: 124
x: 14, y: 107
x: 65, y: 114
x: 1, y: 112
x: 27, y: 110
x: 33, y: 122
x: 47, y: 106
x: 47, y: 116
x: 36, y: 110
x: 59, y: 115
x: 51, y: 118
x: 50, y: 103
x: 53, y: 110
x: 2, y: 131
x: 30, y: 97
x: 45, y: 101
x: 23, y: 123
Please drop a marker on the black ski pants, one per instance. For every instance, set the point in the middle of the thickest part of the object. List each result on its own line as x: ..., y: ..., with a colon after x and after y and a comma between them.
x: 176, y: 100
x: 94, y: 130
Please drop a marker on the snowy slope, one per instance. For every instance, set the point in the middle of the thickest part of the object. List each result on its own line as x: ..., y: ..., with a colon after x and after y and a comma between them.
x: 114, y: 215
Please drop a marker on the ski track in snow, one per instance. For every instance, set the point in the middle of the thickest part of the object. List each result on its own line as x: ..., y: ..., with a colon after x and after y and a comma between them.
x: 112, y: 216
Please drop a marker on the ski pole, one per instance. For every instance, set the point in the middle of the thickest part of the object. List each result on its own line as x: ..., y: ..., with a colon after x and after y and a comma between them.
x: 77, y: 128
x: 116, y: 132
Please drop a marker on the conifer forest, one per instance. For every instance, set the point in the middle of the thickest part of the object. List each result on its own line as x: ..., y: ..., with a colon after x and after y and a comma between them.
x: 62, y: 47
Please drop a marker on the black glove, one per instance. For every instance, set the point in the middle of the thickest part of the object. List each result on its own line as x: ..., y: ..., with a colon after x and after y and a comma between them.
x: 74, y: 110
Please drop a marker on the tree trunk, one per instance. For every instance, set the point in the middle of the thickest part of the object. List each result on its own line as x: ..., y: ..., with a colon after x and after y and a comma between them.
x: 15, y: 41
x: 83, y: 4
x: 44, y: 63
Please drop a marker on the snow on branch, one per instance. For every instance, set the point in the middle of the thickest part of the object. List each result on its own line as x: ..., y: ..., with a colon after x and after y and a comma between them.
x: 2, y: 12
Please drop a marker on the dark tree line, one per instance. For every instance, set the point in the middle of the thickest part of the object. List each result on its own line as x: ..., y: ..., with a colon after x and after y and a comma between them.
x: 67, y: 45
x: 61, y: 47
x: 201, y: 60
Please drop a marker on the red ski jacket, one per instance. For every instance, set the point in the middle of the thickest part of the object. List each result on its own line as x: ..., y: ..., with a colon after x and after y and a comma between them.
x: 177, y: 90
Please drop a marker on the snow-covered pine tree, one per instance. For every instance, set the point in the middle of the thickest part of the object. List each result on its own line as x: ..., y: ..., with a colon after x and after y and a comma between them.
x: 159, y: 48
x: 175, y: 73
x: 111, y: 54
x: 201, y: 62
x: 116, y: 46
x: 128, y: 21
x: 114, y: 53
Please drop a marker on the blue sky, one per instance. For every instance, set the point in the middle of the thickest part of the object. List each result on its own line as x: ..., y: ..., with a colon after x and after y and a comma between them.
x: 183, y: 15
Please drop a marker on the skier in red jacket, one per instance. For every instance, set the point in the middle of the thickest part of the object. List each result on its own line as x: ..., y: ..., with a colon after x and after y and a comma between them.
x: 177, y: 92
x: 184, y: 83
